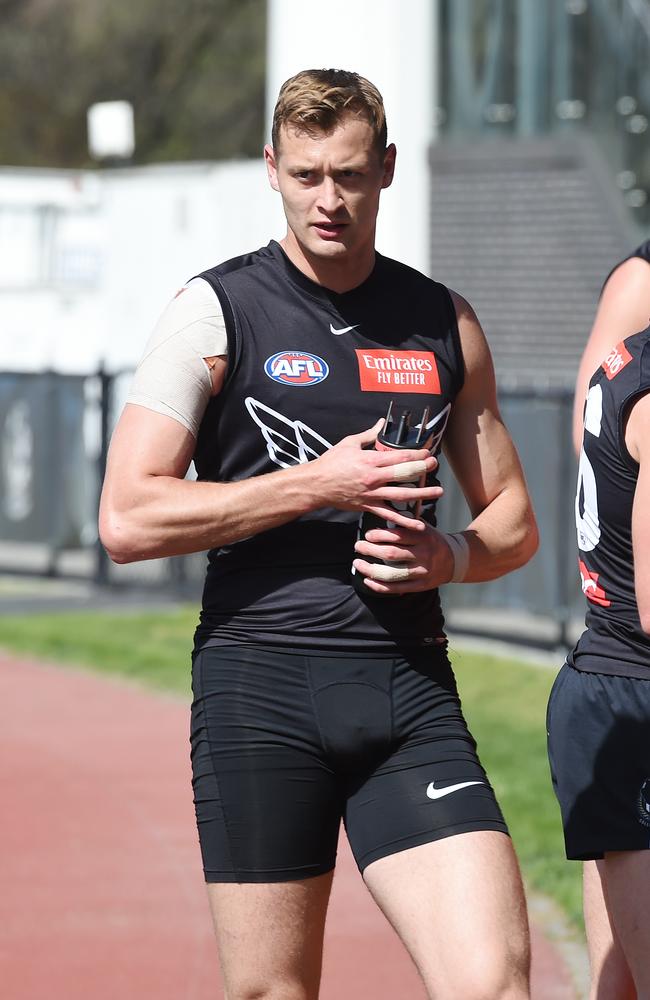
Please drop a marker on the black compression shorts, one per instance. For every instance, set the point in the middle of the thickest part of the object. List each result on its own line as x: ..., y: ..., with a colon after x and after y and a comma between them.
x: 285, y: 744
x: 599, y: 751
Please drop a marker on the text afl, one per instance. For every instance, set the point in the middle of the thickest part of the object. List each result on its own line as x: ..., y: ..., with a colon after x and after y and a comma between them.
x: 296, y: 368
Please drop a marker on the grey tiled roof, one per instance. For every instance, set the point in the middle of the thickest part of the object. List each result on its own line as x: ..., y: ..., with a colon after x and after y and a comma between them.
x: 527, y: 231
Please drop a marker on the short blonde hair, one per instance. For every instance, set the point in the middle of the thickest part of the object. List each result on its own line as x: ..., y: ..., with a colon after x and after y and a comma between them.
x: 317, y: 100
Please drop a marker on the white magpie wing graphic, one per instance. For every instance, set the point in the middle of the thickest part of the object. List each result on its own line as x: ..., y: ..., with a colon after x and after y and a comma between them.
x: 292, y: 442
x: 288, y: 442
x: 439, y: 422
x: 312, y: 444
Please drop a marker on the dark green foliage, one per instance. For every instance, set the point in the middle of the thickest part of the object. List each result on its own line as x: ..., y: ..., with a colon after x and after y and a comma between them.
x: 193, y: 70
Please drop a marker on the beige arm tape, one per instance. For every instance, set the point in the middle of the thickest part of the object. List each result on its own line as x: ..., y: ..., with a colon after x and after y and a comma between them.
x: 173, y: 377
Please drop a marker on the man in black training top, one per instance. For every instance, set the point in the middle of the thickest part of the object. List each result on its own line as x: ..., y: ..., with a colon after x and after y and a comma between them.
x: 314, y: 701
x: 599, y: 711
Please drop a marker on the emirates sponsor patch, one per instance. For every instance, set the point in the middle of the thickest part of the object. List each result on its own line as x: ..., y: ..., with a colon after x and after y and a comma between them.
x: 398, y: 371
x: 616, y: 360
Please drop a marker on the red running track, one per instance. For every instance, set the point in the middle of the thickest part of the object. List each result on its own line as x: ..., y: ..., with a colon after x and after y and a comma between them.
x: 101, y: 891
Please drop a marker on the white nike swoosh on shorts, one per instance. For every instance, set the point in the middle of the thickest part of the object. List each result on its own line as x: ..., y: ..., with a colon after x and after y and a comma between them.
x: 439, y: 793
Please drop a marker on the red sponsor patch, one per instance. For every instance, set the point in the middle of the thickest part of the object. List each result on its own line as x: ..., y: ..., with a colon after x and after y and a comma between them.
x: 180, y: 291
x: 398, y: 371
x: 616, y: 360
x: 590, y: 588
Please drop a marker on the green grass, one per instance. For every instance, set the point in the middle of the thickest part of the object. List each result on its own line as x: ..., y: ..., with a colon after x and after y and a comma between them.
x: 504, y: 702
x: 152, y: 647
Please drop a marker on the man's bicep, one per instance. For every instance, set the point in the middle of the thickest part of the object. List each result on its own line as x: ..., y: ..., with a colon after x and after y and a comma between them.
x: 482, y: 457
x: 148, y: 453
x: 624, y: 309
x: 147, y: 443
x: 477, y: 443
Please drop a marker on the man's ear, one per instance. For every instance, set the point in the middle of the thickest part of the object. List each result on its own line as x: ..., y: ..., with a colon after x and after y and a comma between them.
x: 271, y: 166
x: 389, y: 165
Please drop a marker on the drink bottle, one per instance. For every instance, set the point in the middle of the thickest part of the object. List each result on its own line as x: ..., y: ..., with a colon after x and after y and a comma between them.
x: 400, y: 432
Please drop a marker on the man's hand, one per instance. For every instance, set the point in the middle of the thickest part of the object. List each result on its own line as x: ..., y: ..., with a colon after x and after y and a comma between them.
x: 422, y: 559
x: 353, y: 476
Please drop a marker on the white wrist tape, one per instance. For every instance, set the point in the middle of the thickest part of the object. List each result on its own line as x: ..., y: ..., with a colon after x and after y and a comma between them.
x: 460, y: 551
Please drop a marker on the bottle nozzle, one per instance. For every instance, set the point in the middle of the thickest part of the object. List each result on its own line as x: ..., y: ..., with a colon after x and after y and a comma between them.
x: 403, y: 427
x: 423, y: 424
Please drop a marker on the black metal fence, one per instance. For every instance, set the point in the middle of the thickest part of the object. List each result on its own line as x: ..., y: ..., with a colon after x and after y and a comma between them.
x: 54, y: 433
x: 543, y: 600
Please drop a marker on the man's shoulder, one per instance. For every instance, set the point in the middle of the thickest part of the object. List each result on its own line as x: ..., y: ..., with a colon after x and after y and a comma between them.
x: 398, y: 271
x: 625, y: 371
x: 643, y: 251
x: 243, y: 262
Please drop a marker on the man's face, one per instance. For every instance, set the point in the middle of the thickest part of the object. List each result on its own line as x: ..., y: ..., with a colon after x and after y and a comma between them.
x: 330, y: 186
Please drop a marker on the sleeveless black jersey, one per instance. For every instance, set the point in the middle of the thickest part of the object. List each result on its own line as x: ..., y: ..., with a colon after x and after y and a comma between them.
x: 614, y: 642
x: 306, y: 367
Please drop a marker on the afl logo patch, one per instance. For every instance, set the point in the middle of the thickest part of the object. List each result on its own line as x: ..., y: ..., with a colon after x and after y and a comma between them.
x: 296, y: 368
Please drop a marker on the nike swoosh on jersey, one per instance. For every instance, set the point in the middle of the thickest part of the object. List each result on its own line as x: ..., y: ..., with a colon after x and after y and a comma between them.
x: 344, y: 329
x: 439, y: 793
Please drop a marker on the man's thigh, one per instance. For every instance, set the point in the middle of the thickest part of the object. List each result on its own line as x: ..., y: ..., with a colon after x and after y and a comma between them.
x: 430, y: 838
x: 268, y: 805
x: 458, y: 905
x: 610, y: 972
x: 429, y: 784
x: 627, y: 880
x: 270, y: 937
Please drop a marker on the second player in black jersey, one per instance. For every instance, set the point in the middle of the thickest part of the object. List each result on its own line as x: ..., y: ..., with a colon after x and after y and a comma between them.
x: 599, y: 709
x: 615, y: 641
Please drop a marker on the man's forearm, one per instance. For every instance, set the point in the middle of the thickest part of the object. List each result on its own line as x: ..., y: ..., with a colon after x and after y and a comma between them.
x: 501, y: 538
x: 168, y: 516
x: 146, y: 516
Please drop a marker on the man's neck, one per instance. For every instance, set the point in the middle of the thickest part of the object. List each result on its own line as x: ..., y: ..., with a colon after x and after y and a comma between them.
x: 338, y: 274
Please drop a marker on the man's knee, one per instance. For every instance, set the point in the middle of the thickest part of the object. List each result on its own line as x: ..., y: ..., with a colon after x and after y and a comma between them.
x: 488, y: 973
x: 486, y: 985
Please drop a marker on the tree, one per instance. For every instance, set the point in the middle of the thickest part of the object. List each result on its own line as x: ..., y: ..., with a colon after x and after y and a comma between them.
x: 193, y: 70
